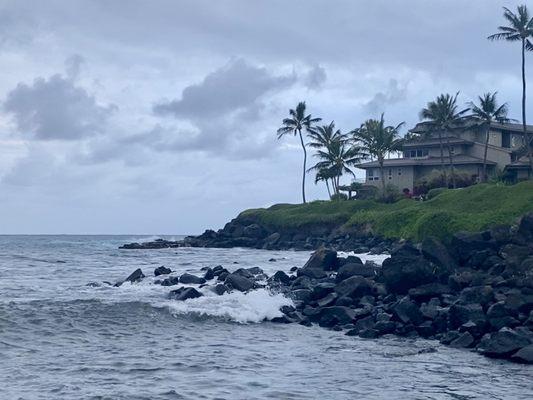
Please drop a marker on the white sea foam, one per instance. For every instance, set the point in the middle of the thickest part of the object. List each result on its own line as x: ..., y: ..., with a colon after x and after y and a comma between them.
x: 377, y: 258
x: 254, y: 306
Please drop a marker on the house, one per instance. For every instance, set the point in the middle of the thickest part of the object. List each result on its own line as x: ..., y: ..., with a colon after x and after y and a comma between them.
x: 421, y: 154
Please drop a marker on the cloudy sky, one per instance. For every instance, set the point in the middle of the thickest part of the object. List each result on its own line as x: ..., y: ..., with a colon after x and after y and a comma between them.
x: 159, y: 116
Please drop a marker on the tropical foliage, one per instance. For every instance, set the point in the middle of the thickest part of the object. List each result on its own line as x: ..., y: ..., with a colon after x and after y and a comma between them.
x: 443, y: 115
x: 487, y: 110
x: 520, y: 29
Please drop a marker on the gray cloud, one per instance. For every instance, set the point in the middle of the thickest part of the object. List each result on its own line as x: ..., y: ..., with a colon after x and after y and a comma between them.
x: 55, y: 108
x: 316, y: 77
x: 381, y: 100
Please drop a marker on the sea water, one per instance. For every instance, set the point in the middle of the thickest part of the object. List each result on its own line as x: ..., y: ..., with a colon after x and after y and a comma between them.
x: 66, y: 335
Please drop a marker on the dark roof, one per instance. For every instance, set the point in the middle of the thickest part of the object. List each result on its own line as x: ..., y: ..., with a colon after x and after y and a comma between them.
x: 467, y: 123
x: 522, y: 163
x: 405, y: 162
x: 435, y: 142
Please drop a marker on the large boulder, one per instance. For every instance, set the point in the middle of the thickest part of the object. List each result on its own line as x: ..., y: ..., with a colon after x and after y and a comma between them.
x: 406, y: 269
x: 352, y: 269
x: 437, y: 253
x: 187, y: 279
x: 324, y: 259
x: 464, y: 244
x: 280, y: 277
x: 239, y: 282
x: 502, y: 344
x: 354, y: 287
x: 407, y: 311
x: 184, y: 293
x: 524, y: 355
x: 477, y: 294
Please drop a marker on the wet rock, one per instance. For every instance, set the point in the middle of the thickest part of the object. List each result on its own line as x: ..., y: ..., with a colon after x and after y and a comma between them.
x: 348, y: 260
x: 514, y: 254
x: 502, y: 344
x: 255, y: 271
x: 239, y: 282
x: 524, y: 355
x: 209, y: 274
x: 384, y: 327
x: 428, y: 291
x: 368, y: 333
x: 477, y: 294
x: 321, y: 290
x: 407, y: 311
x: 449, y: 337
x: 354, y: 287
x: 280, y: 277
x: 134, y: 277
x: 272, y: 239
x: 187, y: 279
x: 346, y: 301
x: 406, y: 269
x: 525, y: 227
x: 328, y: 300
x: 463, y: 341
x: 322, y: 259
x: 303, y: 295
x: 434, y: 251
x: 464, y: 244
x: 460, y: 314
x: 218, y: 270
x: 430, y: 309
x: 335, y: 315
x: 220, y: 289
x: 352, y: 269
x: 254, y: 231
x: 184, y: 293
x: 498, y: 316
x: 162, y: 270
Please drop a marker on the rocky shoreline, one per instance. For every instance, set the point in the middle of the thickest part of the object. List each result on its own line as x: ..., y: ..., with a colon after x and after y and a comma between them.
x: 243, y: 232
x: 476, y: 293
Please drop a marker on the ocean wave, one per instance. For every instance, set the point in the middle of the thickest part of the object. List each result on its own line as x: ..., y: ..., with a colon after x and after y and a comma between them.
x: 251, y: 307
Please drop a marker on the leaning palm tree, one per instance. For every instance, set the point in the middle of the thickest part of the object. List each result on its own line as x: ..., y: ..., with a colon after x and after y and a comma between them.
x: 323, y: 175
x: 335, y: 160
x: 297, y: 122
x: 378, y: 140
x: 442, y: 115
x: 520, y: 29
x: 488, y: 111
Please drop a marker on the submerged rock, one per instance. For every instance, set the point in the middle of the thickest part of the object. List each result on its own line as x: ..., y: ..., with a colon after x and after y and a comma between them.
x: 187, y: 278
x: 134, y: 277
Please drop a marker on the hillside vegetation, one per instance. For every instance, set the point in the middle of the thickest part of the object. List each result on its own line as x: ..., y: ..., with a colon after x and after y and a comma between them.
x: 470, y: 209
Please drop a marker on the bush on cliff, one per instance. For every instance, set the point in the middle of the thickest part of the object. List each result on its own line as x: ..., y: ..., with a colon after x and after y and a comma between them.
x: 469, y: 209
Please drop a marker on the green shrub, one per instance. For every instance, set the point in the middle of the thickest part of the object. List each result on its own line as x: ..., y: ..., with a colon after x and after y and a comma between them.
x: 391, y: 194
x: 339, y: 196
x: 435, y: 192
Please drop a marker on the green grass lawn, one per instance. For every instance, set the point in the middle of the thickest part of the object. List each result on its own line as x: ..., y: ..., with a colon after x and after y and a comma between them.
x: 469, y: 209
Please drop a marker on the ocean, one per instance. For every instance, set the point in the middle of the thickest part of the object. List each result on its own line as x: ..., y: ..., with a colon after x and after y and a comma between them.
x: 66, y: 335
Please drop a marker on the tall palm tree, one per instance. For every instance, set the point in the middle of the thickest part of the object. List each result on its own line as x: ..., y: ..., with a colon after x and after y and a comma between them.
x: 335, y: 160
x: 520, y: 29
x: 442, y: 115
x: 297, y: 122
x: 488, y: 111
x: 378, y: 140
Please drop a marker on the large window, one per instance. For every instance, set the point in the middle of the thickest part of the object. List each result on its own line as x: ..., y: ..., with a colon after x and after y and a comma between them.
x: 416, y: 153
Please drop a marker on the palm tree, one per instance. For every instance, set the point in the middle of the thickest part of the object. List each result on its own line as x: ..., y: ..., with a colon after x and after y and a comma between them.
x: 378, y: 140
x: 520, y: 29
x: 442, y: 115
x: 297, y: 122
x: 322, y: 136
x: 336, y: 159
x: 324, y: 175
x: 488, y: 111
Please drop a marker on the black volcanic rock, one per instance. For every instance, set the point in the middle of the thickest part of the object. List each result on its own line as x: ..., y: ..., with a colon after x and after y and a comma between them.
x: 162, y: 270
x: 184, y: 293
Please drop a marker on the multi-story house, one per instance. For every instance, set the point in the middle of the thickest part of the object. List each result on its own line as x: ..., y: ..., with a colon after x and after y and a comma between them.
x: 422, y: 154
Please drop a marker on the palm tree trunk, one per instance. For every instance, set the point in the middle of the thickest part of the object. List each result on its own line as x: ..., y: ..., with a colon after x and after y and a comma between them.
x: 527, y: 139
x: 329, y: 191
x: 305, y: 162
x: 382, y: 173
x: 484, y: 177
x: 450, y: 154
x: 442, y: 170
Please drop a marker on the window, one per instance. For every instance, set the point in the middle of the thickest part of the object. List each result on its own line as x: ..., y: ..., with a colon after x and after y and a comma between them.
x: 373, y: 174
x: 390, y: 173
x: 399, y: 171
x: 416, y: 153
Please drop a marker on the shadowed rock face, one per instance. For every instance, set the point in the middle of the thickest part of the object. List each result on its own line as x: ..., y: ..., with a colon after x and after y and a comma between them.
x: 476, y: 294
